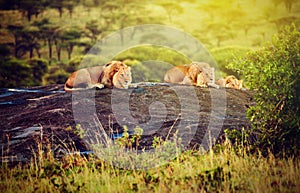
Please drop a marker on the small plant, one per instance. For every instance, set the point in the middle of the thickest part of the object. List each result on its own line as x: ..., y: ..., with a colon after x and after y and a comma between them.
x: 79, y: 131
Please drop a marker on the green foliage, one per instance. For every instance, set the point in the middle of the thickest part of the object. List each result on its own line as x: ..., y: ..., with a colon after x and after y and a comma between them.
x: 14, y: 72
x: 57, y: 77
x: 155, y: 53
x: 274, y: 73
x: 149, y: 63
x: 79, y: 131
x: 237, y: 137
x: 18, y: 73
x: 38, y: 67
x: 224, y: 55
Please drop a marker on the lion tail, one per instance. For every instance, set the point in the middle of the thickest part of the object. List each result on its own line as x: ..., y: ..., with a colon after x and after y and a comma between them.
x: 69, y: 85
x: 69, y: 88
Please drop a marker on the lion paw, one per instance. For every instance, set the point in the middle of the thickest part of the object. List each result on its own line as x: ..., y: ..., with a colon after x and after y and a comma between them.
x: 98, y: 85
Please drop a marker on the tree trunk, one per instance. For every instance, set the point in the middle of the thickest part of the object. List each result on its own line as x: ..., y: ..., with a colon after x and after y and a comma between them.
x: 29, y: 15
x: 50, y: 49
x: 58, y: 50
x: 60, y: 10
x: 70, y: 50
x: 31, y: 53
x: 38, y: 52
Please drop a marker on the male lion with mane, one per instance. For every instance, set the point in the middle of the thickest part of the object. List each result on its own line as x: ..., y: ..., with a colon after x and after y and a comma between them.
x: 113, y: 74
x: 197, y: 74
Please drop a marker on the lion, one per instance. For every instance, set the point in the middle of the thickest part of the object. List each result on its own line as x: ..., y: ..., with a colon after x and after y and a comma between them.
x: 230, y: 82
x: 197, y: 74
x: 113, y: 74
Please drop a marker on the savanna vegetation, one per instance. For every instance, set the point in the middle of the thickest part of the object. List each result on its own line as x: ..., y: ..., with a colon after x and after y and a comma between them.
x: 42, y: 42
x: 58, y: 34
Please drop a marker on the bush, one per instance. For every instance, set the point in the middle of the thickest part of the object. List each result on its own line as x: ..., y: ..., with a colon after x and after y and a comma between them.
x: 274, y: 73
x: 19, y: 73
x: 57, y: 77
x: 15, y: 73
x: 38, y: 67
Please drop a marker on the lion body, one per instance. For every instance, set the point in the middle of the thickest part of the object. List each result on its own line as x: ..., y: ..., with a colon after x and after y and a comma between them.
x: 230, y: 82
x: 114, y: 74
x: 197, y: 74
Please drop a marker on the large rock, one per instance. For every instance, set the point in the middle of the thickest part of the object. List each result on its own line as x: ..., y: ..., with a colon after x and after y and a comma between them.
x: 55, y: 118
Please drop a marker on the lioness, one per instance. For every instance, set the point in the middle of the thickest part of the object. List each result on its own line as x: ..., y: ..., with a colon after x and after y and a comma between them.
x: 230, y: 82
x: 198, y: 74
x: 113, y: 74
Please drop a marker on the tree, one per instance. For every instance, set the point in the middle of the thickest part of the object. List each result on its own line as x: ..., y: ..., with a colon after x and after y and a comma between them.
x: 120, y: 14
x: 59, y: 5
x: 47, y: 33
x: 25, y: 40
x: 220, y: 31
x: 70, y: 5
x: 30, y: 41
x: 171, y: 8
x: 71, y: 38
x: 93, y: 30
x: 32, y: 7
x: 288, y: 3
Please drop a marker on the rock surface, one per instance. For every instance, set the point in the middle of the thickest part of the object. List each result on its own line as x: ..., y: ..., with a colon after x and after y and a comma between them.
x: 65, y: 122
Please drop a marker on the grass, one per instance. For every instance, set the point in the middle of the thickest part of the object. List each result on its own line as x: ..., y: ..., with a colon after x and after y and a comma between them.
x: 230, y: 169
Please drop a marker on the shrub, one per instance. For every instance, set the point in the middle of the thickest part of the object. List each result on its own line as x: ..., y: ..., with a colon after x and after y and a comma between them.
x: 57, y: 77
x: 15, y: 73
x: 274, y: 73
x: 38, y: 67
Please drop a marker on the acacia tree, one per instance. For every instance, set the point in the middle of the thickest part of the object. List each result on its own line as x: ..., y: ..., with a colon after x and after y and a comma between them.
x: 288, y: 3
x: 47, y: 32
x: 25, y: 40
x: 70, y: 5
x: 93, y: 30
x: 58, y: 5
x: 120, y: 14
x: 171, y: 8
x: 32, y: 7
x: 70, y: 38
x: 30, y: 41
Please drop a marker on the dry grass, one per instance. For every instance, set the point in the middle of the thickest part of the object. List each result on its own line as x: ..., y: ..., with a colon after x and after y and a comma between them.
x: 229, y: 170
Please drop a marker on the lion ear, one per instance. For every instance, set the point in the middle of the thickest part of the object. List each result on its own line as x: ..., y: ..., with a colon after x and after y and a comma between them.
x: 108, y: 64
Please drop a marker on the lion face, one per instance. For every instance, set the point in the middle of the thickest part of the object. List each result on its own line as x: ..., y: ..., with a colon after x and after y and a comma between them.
x: 116, y: 74
x: 233, y: 82
x: 122, y: 78
x: 200, y: 73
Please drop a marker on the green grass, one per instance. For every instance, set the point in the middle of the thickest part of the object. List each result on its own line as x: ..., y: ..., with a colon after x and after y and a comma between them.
x: 230, y: 169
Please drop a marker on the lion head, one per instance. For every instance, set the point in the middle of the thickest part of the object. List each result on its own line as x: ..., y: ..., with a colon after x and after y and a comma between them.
x: 200, y: 73
x: 233, y: 82
x: 116, y: 74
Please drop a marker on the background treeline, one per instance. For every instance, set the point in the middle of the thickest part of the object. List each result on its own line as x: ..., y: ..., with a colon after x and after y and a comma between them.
x: 43, y: 41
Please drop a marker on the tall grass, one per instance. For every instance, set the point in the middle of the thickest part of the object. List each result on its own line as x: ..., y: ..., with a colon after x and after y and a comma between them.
x: 230, y: 169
